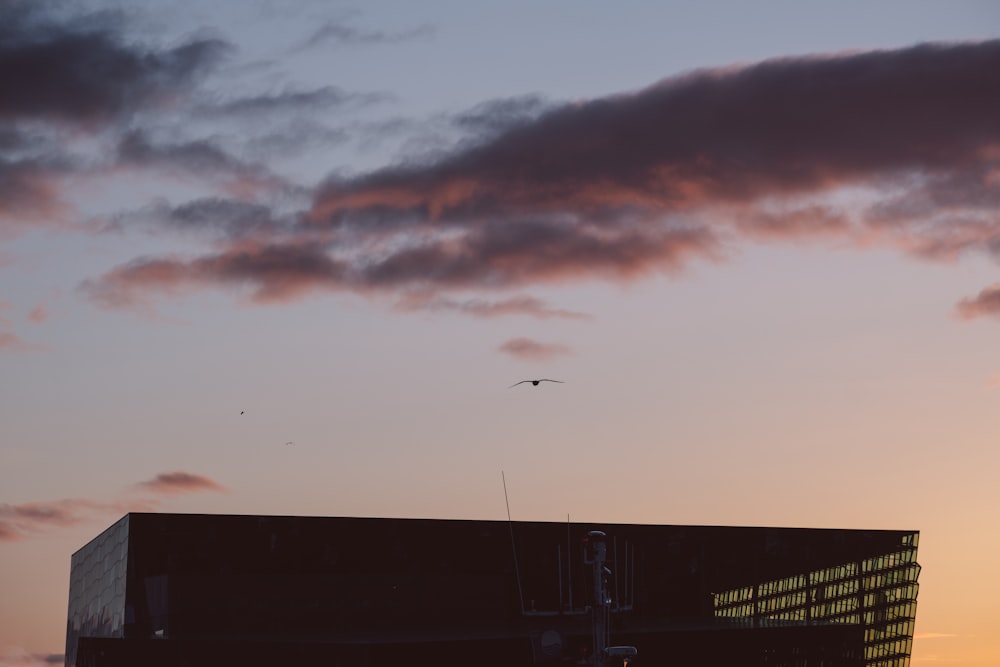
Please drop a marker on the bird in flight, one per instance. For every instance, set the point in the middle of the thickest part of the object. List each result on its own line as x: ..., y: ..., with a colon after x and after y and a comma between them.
x: 242, y: 411
x: 289, y: 443
x: 534, y: 383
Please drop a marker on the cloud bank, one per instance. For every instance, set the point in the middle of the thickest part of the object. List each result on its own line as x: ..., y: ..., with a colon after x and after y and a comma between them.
x: 898, y: 148
x: 894, y: 148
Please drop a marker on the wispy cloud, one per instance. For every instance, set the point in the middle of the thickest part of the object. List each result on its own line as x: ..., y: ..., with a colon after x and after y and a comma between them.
x: 201, y: 159
x: 338, y: 32
x: 933, y: 635
x: 38, y: 314
x: 630, y: 185
x: 532, y: 350
x: 11, y: 342
x: 515, y: 305
x: 15, y: 656
x: 30, y: 519
x: 287, y: 101
x: 211, y: 217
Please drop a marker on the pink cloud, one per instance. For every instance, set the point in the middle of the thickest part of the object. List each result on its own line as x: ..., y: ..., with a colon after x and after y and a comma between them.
x: 38, y: 314
x: 12, y: 342
x: 527, y: 349
x: 516, y: 305
x: 26, y: 520
x: 29, y: 196
x: 986, y: 303
x: 174, y: 483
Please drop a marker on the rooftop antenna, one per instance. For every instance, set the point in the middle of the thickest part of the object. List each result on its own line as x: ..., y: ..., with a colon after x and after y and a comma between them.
x: 517, y: 571
x: 596, y: 554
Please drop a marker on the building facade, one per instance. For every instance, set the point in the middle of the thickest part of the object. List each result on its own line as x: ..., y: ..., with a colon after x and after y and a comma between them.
x: 173, y: 589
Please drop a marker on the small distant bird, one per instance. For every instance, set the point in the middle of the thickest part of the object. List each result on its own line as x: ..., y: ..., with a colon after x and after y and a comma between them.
x: 534, y: 383
x: 242, y: 411
x: 289, y: 443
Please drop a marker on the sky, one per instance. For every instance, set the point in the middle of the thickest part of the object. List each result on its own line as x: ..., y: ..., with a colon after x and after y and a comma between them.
x: 289, y: 257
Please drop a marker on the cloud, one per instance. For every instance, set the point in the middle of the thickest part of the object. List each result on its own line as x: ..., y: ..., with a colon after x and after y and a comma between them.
x: 12, y: 342
x: 515, y: 305
x: 26, y: 520
x: 201, y: 159
x: 38, y: 314
x: 986, y: 303
x: 899, y: 148
x: 178, y: 482
x: 933, y: 635
x: 29, y: 192
x: 82, y: 70
x: 274, y: 272
x: 335, y: 32
x: 67, y: 74
x: 15, y: 656
x: 9, y: 341
x: 531, y: 350
x: 216, y: 217
x: 288, y: 102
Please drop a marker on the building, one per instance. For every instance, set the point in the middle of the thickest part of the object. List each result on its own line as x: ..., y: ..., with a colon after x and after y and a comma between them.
x: 177, y: 589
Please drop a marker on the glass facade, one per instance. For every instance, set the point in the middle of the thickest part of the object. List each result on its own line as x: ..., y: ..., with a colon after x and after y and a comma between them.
x: 878, y: 592
x: 97, y: 590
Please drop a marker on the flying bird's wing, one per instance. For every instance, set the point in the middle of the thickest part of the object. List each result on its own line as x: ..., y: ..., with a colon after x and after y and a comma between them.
x: 517, y: 383
x: 547, y: 380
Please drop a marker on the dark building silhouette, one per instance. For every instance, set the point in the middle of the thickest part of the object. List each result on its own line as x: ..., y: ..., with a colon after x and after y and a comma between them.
x: 175, y: 589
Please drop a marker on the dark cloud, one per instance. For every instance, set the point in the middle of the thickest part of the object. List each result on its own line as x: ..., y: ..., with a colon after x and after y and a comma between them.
x: 627, y: 185
x: 778, y: 128
x: 172, y: 483
x: 494, y: 116
x: 290, y: 102
x: 218, y: 217
x: 83, y: 70
x: 532, y: 350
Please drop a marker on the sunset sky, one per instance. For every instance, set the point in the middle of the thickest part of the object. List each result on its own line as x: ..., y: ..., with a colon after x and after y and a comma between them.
x: 288, y: 257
